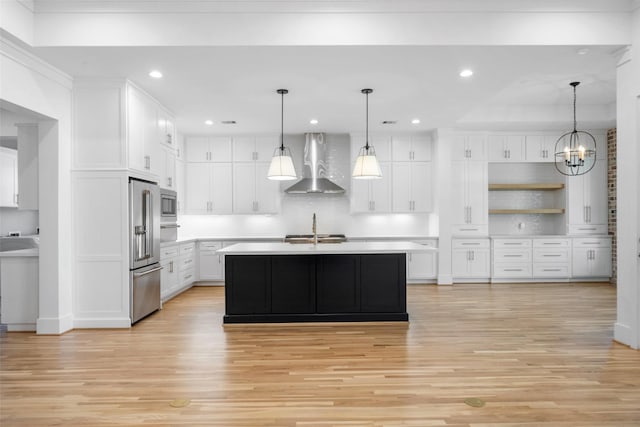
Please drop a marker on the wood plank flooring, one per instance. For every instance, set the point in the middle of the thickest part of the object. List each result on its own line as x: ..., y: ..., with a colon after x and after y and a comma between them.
x: 536, y: 354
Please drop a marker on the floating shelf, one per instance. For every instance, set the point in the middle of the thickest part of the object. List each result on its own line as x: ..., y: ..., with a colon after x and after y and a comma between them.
x: 526, y: 211
x: 537, y: 186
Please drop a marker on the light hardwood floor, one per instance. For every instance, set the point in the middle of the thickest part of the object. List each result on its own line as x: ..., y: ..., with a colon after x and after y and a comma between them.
x: 537, y: 354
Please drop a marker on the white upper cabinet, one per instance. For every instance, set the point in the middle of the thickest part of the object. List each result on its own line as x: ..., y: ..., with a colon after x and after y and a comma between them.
x: 372, y: 195
x: 166, y: 128
x: 411, y: 148
x: 412, y: 183
x: 144, y: 149
x: 506, y: 148
x: 208, y: 189
x: 28, y: 165
x: 208, y: 149
x: 180, y: 154
x: 469, y: 194
x: 8, y: 177
x: 540, y: 148
x: 469, y: 147
x: 253, y: 192
x: 254, y: 149
x: 168, y: 168
x: 587, y: 201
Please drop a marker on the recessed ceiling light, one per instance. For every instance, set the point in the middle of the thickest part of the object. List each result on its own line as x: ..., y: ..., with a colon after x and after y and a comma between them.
x: 582, y: 51
x: 155, y: 74
x: 313, y: 121
x: 466, y: 73
x: 415, y: 121
x: 208, y: 122
x: 228, y: 122
x: 389, y: 122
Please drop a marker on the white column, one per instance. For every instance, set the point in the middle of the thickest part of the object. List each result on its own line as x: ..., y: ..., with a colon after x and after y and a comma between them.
x: 442, y: 196
x: 627, y: 326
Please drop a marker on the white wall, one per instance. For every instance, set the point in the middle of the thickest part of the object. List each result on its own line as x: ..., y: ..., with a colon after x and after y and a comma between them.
x: 627, y: 326
x: 28, y: 82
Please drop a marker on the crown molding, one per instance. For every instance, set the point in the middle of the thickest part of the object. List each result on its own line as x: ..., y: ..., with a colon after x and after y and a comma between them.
x: 331, y: 6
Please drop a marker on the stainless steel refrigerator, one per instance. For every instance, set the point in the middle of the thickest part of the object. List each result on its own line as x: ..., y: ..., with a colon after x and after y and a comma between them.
x: 144, y: 234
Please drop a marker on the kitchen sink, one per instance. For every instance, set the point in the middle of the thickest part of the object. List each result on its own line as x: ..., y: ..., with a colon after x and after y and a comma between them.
x: 308, y: 238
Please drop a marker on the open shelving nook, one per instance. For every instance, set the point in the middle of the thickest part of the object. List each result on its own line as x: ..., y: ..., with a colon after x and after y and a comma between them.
x: 526, y: 198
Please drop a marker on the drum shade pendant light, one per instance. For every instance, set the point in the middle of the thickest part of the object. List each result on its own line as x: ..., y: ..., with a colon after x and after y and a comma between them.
x: 575, y: 151
x: 281, y: 168
x: 367, y: 166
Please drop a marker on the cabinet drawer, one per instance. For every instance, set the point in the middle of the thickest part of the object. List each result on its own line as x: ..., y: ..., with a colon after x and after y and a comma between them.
x: 470, y: 230
x: 470, y: 243
x: 551, y: 255
x: 210, y: 246
x: 592, y: 243
x: 588, y: 229
x: 551, y: 243
x: 512, y: 270
x: 186, y: 263
x: 168, y: 252
x: 187, y: 248
x: 511, y: 243
x: 551, y: 270
x: 515, y: 255
x: 187, y: 276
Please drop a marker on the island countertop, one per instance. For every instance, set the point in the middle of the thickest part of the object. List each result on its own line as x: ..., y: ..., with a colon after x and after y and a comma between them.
x: 279, y: 248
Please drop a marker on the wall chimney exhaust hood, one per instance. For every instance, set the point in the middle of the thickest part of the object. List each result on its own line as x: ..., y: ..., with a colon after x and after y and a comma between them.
x: 314, y: 169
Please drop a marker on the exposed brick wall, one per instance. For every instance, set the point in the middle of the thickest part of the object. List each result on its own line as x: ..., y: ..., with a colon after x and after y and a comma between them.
x: 611, y: 185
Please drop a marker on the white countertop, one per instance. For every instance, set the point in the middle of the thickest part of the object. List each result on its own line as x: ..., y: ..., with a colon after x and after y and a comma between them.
x: 33, y: 252
x: 278, y: 248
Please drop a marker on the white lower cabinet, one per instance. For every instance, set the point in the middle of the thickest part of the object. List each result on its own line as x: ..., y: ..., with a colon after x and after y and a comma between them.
x: 512, y: 258
x: 423, y: 265
x: 471, y: 258
x: 178, y: 269
x: 211, y: 263
x: 551, y: 258
x: 591, y: 257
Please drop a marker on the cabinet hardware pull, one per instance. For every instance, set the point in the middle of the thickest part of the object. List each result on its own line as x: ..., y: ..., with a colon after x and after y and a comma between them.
x: 551, y: 255
x: 551, y: 243
x: 551, y: 269
x: 470, y: 244
x: 512, y: 256
x: 512, y: 269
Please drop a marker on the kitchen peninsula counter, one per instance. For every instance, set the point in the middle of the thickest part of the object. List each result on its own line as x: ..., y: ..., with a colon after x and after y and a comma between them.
x: 332, y: 282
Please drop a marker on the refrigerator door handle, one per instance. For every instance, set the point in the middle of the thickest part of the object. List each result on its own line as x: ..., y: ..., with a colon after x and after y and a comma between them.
x: 153, y: 270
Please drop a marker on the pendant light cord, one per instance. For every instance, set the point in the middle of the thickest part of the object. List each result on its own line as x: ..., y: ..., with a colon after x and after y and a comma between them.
x: 282, y: 122
x: 367, y: 123
x: 575, y: 123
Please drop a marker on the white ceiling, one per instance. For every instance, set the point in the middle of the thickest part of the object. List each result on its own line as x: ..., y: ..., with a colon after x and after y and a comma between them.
x: 239, y: 83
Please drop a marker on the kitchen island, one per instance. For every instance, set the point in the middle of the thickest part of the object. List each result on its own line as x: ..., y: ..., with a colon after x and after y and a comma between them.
x: 344, y: 282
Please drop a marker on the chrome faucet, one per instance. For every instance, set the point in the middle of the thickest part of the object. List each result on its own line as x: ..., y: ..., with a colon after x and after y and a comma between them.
x: 313, y: 229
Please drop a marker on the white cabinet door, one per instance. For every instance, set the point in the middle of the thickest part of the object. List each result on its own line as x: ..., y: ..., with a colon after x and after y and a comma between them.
x: 477, y: 192
x: 591, y: 262
x: 460, y: 263
x: 151, y: 143
x: 421, y: 184
x: 244, y: 187
x: 587, y: 200
x: 360, y: 197
x: 169, y: 278
x: 421, y: 148
x: 244, y: 149
x: 168, y: 171
x: 197, y: 180
x: 480, y: 265
x: 136, y: 130
x: 422, y: 265
x: 266, y: 145
x: 469, y: 147
x: 401, y: 148
x: 211, y: 264
x: 380, y: 190
x: 28, y: 161
x: 180, y: 187
x: 458, y: 192
x: 540, y: 148
x: 8, y: 177
x: 505, y: 148
x: 267, y: 195
x: 220, y: 149
x: 197, y: 148
x: 221, y: 189
x: 401, y: 187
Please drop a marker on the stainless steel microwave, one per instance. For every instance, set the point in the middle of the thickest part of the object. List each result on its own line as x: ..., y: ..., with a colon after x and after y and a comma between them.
x: 168, y: 206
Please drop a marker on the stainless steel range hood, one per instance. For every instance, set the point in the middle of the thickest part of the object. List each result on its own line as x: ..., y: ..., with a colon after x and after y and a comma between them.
x: 314, y: 169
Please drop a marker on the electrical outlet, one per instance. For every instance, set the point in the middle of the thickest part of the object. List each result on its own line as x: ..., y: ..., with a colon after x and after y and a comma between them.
x: 14, y: 234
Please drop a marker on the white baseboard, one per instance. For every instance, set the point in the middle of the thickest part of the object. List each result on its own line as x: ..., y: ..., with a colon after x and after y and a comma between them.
x: 624, y: 335
x: 54, y: 325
